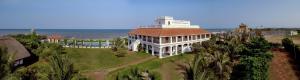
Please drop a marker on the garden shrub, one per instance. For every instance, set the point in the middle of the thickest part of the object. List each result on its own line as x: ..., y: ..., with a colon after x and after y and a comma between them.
x: 136, y: 73
x: 254, y: 64
x: 251, y: 68
x: 121, y: 53
x: 292, y: 48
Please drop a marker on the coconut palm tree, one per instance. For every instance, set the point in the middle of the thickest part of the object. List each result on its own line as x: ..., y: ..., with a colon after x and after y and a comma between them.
x: 211, y: 62
x: 199, y: 68
x: 235, y: 47
x: 222, y: 65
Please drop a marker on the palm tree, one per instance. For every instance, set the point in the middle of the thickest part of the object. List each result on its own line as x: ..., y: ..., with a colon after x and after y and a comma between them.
x: 221, y: 62
x: 136, y: 74
x: 117, y: 43
x: 125, y: 41
x: 5, y: 63
x: 211, y: 62
x: 66, y: 42
x: 222, y: 65
x: 62, y: 68
x: 199, y: 68
x: 196, y: 47
x: 235, y: 47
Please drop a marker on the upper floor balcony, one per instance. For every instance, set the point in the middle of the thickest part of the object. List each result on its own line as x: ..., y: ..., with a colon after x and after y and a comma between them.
x: 170, y: 39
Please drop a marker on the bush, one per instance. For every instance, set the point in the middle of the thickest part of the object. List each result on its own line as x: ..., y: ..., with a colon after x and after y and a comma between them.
x: 258, y: 45
x: 196, y: 47
x: 251, y: 68
x: 5, y: 63
x: 114, y: 49
x: 121, y: 53
x: 275, y: 45
x: 291, y: 47
x: 140, y: 48
x: 254, y: 65
x: 136, y: 73
x: 118, y: 42
x: 48, y: 49
x: 288, y: 44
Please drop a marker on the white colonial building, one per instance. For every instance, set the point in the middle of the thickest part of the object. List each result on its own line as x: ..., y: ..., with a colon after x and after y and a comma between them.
x: 167, y: 37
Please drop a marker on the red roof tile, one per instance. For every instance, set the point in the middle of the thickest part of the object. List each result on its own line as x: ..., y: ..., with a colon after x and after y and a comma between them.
x: 55, y: 36
x: 167, y: 31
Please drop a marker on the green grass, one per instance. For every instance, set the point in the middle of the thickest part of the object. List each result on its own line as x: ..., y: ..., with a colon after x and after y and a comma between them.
x: 89, y: 59
x: 153, y: 65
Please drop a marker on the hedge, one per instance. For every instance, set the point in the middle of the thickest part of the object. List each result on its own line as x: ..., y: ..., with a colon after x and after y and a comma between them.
x: 292, y: 48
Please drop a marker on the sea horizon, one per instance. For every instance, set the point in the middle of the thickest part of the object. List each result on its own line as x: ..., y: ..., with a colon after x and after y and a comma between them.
x: 104, y: 34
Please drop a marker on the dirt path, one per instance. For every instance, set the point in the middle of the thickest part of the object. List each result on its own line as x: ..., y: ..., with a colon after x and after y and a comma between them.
x: 165, y: 71
x: 278, y: 38
x: 100, y: 74
x: 281, y: 67
x: 171, y: 71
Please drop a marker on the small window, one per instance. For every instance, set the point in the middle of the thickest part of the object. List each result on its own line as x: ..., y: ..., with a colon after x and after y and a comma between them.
x: 198, y: 36
x: 207, y: 36
x: 169, y: 23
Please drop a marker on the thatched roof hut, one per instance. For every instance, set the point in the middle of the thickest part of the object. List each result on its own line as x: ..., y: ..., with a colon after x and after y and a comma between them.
x: 14, y: 47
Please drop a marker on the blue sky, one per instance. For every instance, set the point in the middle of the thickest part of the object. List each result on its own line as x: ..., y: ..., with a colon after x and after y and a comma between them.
x: 115, y: 14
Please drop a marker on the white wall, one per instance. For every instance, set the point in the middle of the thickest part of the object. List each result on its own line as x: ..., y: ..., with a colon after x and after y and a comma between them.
x: 169, y: 22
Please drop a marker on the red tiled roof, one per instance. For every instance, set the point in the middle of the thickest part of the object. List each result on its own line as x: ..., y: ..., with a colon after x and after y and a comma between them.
x: 167, y: 31
x: 54, y: 36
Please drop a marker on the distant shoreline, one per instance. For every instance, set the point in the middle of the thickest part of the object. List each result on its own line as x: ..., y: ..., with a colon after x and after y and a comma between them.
x: 104, y: 34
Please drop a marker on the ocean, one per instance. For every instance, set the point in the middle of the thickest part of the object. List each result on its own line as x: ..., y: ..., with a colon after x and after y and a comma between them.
x: 81, y: 33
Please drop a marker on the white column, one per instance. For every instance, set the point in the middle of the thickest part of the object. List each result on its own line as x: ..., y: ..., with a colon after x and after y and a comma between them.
x: 152, y: 50
x: 152, y: 40
x: 171, y: 39
x: 147, y: 50
x: 146, y: 38
x: 160, y: 52
x: 159, y: 40
x: 82, y: 44
x: 182, y: 48
x: 188, y: 38
x: 171, y: 50
x: 176, y: 50
x: 181, y: 38
x: 176, y: 39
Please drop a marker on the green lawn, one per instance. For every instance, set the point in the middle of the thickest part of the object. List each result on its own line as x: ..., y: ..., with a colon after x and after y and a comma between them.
x: 156, y: 65
x: 89, y: 59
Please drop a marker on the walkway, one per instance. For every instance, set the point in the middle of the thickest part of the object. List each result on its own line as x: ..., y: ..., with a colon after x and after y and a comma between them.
x: 171, y: 71
x: 100, y: 74
x: 282, y: 66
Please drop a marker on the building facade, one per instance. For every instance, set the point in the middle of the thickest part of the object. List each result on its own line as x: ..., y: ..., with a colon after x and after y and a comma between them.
x: 54, y: 38
x: 167, y: 37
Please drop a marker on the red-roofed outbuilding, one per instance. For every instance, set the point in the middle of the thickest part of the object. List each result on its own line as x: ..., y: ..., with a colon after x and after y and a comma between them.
x: 54, y: 38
